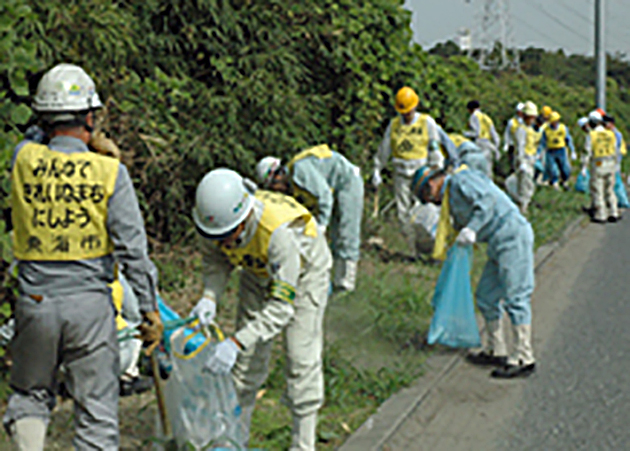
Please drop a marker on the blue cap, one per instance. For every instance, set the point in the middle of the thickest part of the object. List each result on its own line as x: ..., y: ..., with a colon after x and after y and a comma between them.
x: 420, y: 179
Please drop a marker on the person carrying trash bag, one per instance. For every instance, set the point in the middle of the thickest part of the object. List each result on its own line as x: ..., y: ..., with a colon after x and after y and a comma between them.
x: 481, y: 212
x: 331, y: 187
x: 284, y: 284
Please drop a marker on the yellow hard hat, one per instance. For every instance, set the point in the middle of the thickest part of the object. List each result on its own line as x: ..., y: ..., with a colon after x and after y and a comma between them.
x: 406, y: 100
x: 554, y: 117
x: 546, y: 111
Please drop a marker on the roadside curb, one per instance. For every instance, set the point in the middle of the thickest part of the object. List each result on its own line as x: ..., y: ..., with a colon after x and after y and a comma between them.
x: 377, y: 430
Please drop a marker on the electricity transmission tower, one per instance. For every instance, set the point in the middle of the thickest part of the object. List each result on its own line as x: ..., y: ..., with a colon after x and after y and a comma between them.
x: 496, y: 28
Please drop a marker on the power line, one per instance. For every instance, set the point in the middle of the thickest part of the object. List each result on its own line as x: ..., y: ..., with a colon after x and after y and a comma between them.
x: 586, y: 19
x: 562, y: 24
x: 538, y: 32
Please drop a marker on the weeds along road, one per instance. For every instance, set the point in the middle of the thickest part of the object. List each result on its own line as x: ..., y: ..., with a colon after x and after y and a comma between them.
x: 578, y: 399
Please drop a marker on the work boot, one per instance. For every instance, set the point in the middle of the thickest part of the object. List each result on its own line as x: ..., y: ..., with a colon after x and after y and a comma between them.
x: 303, y: 436
x: 134, y: 386
x: 28, y: 434
x: 521, y: 362
x: 614, y: 219
x: 485, y: 358
x: 495, y: 352
x: 512, y: 371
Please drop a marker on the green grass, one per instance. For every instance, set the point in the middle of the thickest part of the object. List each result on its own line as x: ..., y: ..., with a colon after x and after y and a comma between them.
x: 375, y: 337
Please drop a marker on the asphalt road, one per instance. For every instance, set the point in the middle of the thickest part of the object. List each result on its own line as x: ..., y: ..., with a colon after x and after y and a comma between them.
x: 579, y: 397
x: 580, y: 400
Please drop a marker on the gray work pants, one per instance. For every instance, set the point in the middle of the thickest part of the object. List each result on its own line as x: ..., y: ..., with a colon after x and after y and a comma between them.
x: 78, y: 332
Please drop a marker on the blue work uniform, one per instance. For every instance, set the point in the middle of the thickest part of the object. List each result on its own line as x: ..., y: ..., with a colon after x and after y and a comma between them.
x: 474, y: 157
x: 327, y: 185
x: 477, y: 203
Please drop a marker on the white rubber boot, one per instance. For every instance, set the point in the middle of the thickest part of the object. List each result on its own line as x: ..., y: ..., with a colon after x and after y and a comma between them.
x: 496, y: 338
x: 345, y: 274
x: 303, y: 434
x: 523, y: 353
x: 29, y: 434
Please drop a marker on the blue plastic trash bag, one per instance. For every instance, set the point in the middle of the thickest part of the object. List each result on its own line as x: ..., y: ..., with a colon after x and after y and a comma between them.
x: 582, y: 182
x: 202, y: 407
x: 454, y: 323
x: 620, y: 192
x: 168, y: 314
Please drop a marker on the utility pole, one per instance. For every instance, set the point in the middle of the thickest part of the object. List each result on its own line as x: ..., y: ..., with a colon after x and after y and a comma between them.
x: 600, y: 56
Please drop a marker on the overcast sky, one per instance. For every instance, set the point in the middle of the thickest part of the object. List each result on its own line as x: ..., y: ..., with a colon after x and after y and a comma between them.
x: 551, y: 24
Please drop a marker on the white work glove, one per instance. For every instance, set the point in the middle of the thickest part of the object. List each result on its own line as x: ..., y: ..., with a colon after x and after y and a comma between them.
x: 583, y: 171
x: 205, y: 310
x: 376, y: 178
x: 321, y: 229
x: 224, y: 357
x: 466, y: 237
x: 573, y: 156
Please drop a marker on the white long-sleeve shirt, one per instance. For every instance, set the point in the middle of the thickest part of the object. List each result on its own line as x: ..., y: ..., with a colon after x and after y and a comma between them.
x: 291, y: 254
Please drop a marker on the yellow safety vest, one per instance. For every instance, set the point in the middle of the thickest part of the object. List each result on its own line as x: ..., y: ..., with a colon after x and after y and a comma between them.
x: 304, y: 197
x: 278, y: 210
x: 410, y: 142
x: 458, y: 139
x: 485, y: 124
x: 556, y: 139
x: 320, y: 152
x: 603, y: 143
x: 532, y: 140
x: 59, y: 204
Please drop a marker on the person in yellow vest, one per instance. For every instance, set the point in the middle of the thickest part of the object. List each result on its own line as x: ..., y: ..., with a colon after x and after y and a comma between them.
x: 556, y: 138
x: 331, y: 188
x: 412, y: 139
x: 474, y: 210
x: 284, y: 283
x: 483, y: 133
x: 601, y: 152
x: 527, y: 140
x: 509, y: 136
x: 75, y: 214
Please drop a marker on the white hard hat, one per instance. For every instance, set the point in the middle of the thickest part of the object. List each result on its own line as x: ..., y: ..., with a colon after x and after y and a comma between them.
x: 520, y: 106
x: 66, y: 88
x: 266, y: 168
x: 530, y: 109
x: 582, y: 122
x: 595, y: 116
x: 222, y: 202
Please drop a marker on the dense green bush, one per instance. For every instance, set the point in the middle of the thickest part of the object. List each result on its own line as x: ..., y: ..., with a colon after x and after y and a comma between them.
x: 192, y: 85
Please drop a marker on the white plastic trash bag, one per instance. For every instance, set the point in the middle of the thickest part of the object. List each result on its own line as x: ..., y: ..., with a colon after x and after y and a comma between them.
x: 424, y: 220
x: 202, y: 407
